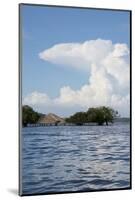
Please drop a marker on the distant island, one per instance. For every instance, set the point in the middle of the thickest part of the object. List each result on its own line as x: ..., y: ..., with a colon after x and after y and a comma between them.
x: 98, y: 115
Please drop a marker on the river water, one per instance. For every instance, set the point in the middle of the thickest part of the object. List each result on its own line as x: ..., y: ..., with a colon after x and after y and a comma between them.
x: 75, y: 158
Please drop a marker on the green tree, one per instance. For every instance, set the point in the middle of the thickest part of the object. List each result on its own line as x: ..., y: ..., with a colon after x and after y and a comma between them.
x: 99, y: 115
x: 78, y: 118
x: 29, y: 116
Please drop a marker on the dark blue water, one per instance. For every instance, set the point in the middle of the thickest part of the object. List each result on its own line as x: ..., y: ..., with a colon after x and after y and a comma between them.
x: 75, y: 158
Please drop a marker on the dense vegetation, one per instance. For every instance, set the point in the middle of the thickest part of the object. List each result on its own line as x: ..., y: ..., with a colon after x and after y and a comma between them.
x: 99, y: 115
x: 29, y: 116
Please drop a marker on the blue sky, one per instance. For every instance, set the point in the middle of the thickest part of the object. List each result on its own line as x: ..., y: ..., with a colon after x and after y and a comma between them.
x: 43, y: 27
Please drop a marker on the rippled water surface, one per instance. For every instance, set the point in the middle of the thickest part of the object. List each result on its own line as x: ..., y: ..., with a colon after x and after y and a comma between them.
x: 75, y: 158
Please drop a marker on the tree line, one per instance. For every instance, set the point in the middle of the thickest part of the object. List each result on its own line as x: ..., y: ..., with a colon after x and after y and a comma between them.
x: 100, y: 115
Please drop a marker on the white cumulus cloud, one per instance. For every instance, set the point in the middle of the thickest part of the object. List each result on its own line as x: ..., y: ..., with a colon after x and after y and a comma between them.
x: 108, y: 84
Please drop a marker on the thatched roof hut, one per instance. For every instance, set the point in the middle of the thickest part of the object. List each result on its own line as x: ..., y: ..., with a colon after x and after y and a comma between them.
x: 51, y: 119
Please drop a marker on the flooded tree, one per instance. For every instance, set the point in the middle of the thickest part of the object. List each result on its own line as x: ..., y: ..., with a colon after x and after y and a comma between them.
x: 100, y: 115
x: 29, y: 116
x: 78, y: 118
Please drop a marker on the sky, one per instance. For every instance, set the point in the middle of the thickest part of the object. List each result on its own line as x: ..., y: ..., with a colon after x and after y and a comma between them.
x: 73, y: 59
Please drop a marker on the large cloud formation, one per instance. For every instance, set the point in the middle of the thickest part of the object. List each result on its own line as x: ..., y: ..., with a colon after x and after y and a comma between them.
x: 108, y: 84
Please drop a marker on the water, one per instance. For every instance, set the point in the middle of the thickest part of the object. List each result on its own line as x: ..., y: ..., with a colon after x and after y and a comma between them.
x: 75, y: 158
